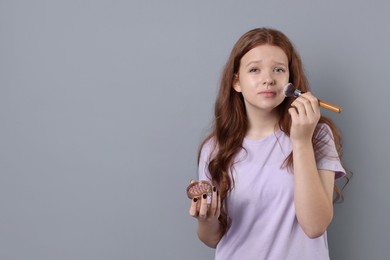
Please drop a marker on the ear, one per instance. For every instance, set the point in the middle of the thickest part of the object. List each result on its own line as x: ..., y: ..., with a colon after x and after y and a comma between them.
x: 236, y: 83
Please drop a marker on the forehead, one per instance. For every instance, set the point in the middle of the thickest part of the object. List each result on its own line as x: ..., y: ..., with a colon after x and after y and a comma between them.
x: 265, y: 53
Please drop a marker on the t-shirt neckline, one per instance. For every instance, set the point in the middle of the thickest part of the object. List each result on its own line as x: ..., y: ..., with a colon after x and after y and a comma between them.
x: 264, y: 139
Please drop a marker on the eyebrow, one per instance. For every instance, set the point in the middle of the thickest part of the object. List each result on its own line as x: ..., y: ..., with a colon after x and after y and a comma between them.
x: 259, y: 61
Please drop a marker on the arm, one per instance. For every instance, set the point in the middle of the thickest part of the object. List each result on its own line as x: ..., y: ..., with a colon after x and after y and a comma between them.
x: 313, y: 192
x: 313, y: 189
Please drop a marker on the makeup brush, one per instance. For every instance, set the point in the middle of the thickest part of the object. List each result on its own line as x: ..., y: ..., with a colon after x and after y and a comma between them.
x: 291, y: 91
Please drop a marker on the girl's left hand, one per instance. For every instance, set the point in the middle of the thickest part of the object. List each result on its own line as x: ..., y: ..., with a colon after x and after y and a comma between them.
x: 305, y: 114
x: 204, y: 211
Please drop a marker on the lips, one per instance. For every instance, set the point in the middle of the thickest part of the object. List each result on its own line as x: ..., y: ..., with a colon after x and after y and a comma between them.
x: 268, y: 93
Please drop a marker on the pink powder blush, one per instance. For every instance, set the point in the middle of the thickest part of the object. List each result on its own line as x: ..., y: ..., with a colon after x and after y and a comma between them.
x: 196, y: 189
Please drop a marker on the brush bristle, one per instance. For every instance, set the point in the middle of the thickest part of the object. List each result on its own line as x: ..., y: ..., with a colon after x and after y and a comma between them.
x: 289, y: 90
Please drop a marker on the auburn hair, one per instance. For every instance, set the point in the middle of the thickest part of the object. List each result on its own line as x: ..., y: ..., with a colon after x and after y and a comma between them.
x: 230, y: 123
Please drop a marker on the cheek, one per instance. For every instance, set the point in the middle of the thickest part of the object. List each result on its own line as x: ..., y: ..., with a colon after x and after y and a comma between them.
x: 284, y: 78
x: 249, y: 80
x: 288, y: 77
x: 249, y: 91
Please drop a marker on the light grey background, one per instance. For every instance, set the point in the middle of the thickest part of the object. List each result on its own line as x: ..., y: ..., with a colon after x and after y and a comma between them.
x: 103, y: 104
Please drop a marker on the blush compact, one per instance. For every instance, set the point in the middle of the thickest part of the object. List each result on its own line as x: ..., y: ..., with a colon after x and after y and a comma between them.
x: 198, y: 188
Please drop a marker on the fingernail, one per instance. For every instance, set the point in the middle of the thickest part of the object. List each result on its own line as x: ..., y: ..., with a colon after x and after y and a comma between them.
x: 214, y: 189
x: 205, y: 196
x: 195, y: 199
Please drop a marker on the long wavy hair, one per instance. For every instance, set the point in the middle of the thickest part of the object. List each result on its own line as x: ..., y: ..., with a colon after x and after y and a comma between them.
x: 230, y: 120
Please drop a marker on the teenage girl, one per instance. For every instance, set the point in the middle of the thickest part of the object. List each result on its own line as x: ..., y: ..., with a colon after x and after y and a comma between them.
x: 272, y: 160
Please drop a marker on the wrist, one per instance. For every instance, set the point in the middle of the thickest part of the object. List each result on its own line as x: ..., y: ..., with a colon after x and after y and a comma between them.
x: 209, y: 232
x: 301, y: 144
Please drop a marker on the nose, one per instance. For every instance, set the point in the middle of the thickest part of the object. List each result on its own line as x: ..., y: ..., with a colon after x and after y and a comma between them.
x: 268, y: 80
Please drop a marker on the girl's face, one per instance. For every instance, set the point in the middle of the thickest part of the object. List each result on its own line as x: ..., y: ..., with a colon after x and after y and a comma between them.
x: 262, y: 75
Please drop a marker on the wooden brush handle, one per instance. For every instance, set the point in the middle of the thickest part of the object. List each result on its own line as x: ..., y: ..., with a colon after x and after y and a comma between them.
x: 330, y: 106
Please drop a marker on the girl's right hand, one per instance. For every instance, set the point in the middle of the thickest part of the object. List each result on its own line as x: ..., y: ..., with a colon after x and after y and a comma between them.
x: 206, y: 212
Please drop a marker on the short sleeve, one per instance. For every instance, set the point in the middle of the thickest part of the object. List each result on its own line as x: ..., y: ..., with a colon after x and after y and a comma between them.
x: 205, y: 154
x: 327, y: 157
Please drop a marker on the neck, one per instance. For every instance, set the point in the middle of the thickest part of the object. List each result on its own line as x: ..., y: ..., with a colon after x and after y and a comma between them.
x: 262, y: 124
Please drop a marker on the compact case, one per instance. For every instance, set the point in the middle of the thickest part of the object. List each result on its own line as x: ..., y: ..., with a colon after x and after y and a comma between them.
x: 198, y: 188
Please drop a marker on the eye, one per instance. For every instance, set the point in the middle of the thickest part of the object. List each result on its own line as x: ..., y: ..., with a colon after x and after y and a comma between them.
x: 254, y: 70
x: 279, y: 69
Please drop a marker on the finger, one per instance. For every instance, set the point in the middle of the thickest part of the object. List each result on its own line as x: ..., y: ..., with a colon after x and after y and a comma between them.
x: 293, y: 112
x: 314, y: 102
x: 203, y: 207
x: 299, y: 105
x: 306, y: 104
x: 194, y: 208
x: 214, y: 202
x: 218, y: 211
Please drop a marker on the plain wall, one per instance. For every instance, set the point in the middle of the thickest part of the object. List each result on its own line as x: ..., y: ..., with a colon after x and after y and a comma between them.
x: 103, y: 105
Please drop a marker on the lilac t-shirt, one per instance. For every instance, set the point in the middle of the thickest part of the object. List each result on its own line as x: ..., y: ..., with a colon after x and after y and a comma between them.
x: 261, y: 204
